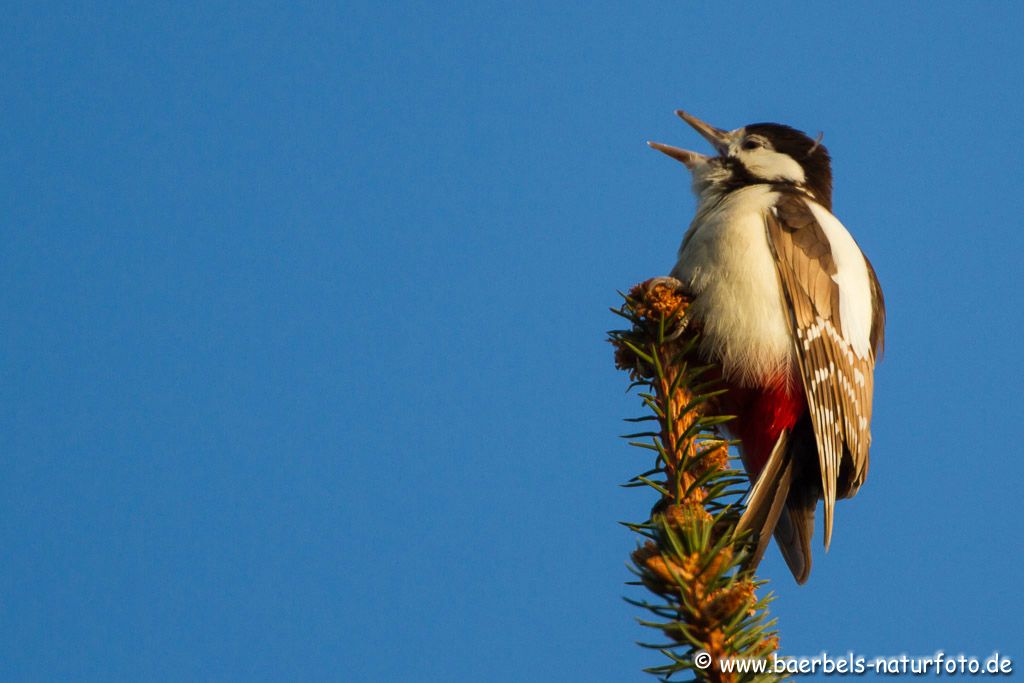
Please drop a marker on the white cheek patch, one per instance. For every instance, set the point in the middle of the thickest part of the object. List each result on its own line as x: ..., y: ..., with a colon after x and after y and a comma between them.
x: 771, y: 165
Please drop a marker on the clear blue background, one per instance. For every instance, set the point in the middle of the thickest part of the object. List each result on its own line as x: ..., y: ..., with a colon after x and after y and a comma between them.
x: 303, y: 359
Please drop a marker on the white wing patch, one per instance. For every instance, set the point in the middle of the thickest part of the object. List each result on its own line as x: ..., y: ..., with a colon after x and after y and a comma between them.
x: 855, y: 314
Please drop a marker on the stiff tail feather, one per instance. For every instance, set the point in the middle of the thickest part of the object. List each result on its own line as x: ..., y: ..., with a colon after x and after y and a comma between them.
x: 794, y: 530
x: 782, y: 502
x: 767, y: 498
x: 796, y: 524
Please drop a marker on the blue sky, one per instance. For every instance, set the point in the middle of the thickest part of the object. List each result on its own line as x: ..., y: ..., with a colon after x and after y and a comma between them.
x: 304, y: 372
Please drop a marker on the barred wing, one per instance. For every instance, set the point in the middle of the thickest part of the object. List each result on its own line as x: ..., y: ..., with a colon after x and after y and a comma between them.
x: 833, y: 295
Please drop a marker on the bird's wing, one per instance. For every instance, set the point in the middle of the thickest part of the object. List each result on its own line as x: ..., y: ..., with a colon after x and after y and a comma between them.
x: 831, y: 292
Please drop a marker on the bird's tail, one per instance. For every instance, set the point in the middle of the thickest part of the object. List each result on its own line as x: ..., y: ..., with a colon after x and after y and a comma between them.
x: 782, y: 502
x: 796, y: 523
x: 767, y: 498
x: 794, y: 530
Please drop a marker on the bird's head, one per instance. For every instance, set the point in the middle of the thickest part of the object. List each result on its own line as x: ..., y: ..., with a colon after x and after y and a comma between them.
x: 758, y: 153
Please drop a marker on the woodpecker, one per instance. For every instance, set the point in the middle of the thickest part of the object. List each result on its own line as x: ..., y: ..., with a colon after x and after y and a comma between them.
x: 792, y: 313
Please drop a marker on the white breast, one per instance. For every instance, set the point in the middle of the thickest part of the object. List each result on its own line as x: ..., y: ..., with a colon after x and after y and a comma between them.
x: 727, y: 263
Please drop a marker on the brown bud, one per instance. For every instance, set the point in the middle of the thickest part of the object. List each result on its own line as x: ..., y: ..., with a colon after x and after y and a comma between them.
x: 657, y: 298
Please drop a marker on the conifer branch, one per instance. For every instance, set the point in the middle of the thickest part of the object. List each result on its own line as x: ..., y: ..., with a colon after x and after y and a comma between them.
x: 691, y: 557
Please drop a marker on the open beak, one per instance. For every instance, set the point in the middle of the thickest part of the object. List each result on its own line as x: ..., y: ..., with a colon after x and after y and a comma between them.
x: 690, y: 159
x: 717, y: 137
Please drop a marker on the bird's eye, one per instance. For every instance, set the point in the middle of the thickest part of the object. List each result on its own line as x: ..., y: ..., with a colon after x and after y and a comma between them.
x: 751, y: 144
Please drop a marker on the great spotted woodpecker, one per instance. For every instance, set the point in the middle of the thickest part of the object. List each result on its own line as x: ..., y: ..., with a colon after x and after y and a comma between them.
x: 792, y: 313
